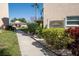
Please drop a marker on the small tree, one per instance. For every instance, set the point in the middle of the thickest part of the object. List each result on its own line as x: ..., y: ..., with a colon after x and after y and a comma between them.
x: 19, y: 19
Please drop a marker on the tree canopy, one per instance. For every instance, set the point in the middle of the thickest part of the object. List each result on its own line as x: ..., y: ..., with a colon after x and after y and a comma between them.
x: 19, y: 19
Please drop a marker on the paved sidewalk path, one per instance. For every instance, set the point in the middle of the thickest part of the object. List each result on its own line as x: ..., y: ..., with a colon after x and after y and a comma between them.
x: 28, y: 46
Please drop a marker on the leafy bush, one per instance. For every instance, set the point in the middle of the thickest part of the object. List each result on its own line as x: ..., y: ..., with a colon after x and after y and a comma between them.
x: 24, y: 29
x: 74, y: 33
x: 56, y: 37
x: 39, y: 31
x: 32, y: 27
x: 10, y: 28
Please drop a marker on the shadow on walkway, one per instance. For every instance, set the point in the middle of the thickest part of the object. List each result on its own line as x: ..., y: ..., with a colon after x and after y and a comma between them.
x: 43, y: 49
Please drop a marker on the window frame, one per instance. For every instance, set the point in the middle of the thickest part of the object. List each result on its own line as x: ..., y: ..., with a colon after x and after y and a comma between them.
x: 66, y: 20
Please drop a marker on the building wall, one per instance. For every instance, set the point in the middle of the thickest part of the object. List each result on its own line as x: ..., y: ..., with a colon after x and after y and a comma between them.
x: 3, y: 13
x: 59, y: 11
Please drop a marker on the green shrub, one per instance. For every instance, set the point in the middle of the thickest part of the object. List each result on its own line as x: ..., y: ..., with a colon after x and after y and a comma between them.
x: 39, y: 31
x: 32, y: 27
x: 10, y: 28
x: 56, y: 37
x: 24, y: 29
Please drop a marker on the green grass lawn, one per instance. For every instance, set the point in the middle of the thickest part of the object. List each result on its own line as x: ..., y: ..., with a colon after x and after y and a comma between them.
x: 9, y: 40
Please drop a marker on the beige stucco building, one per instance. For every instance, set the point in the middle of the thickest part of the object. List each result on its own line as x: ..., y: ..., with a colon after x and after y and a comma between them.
x: 55, y: 14
x: 4, y: 15
x: 67, y: 13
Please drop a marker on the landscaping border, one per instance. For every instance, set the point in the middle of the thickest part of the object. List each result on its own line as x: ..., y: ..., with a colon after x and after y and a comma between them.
x: 46, y: 47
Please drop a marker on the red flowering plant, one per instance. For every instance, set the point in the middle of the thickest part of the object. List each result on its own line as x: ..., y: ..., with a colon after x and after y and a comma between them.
x: 73, y: 32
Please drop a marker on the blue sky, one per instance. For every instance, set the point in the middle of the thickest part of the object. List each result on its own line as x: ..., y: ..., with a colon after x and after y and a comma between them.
x: 23, y: 10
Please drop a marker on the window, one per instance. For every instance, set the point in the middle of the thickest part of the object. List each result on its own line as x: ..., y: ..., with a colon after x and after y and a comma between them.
x: 57, y: 23
x: 72, y: 20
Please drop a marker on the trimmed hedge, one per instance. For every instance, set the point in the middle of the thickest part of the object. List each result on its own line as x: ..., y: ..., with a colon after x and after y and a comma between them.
x: 56, y: 37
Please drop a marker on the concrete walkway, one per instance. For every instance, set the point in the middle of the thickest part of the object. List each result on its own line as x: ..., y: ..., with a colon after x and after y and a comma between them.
x: 28, y: 46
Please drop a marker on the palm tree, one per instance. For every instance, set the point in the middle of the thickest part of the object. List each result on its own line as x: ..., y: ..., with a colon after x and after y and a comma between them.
x: 36, y: 6
x: 42, y: 13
